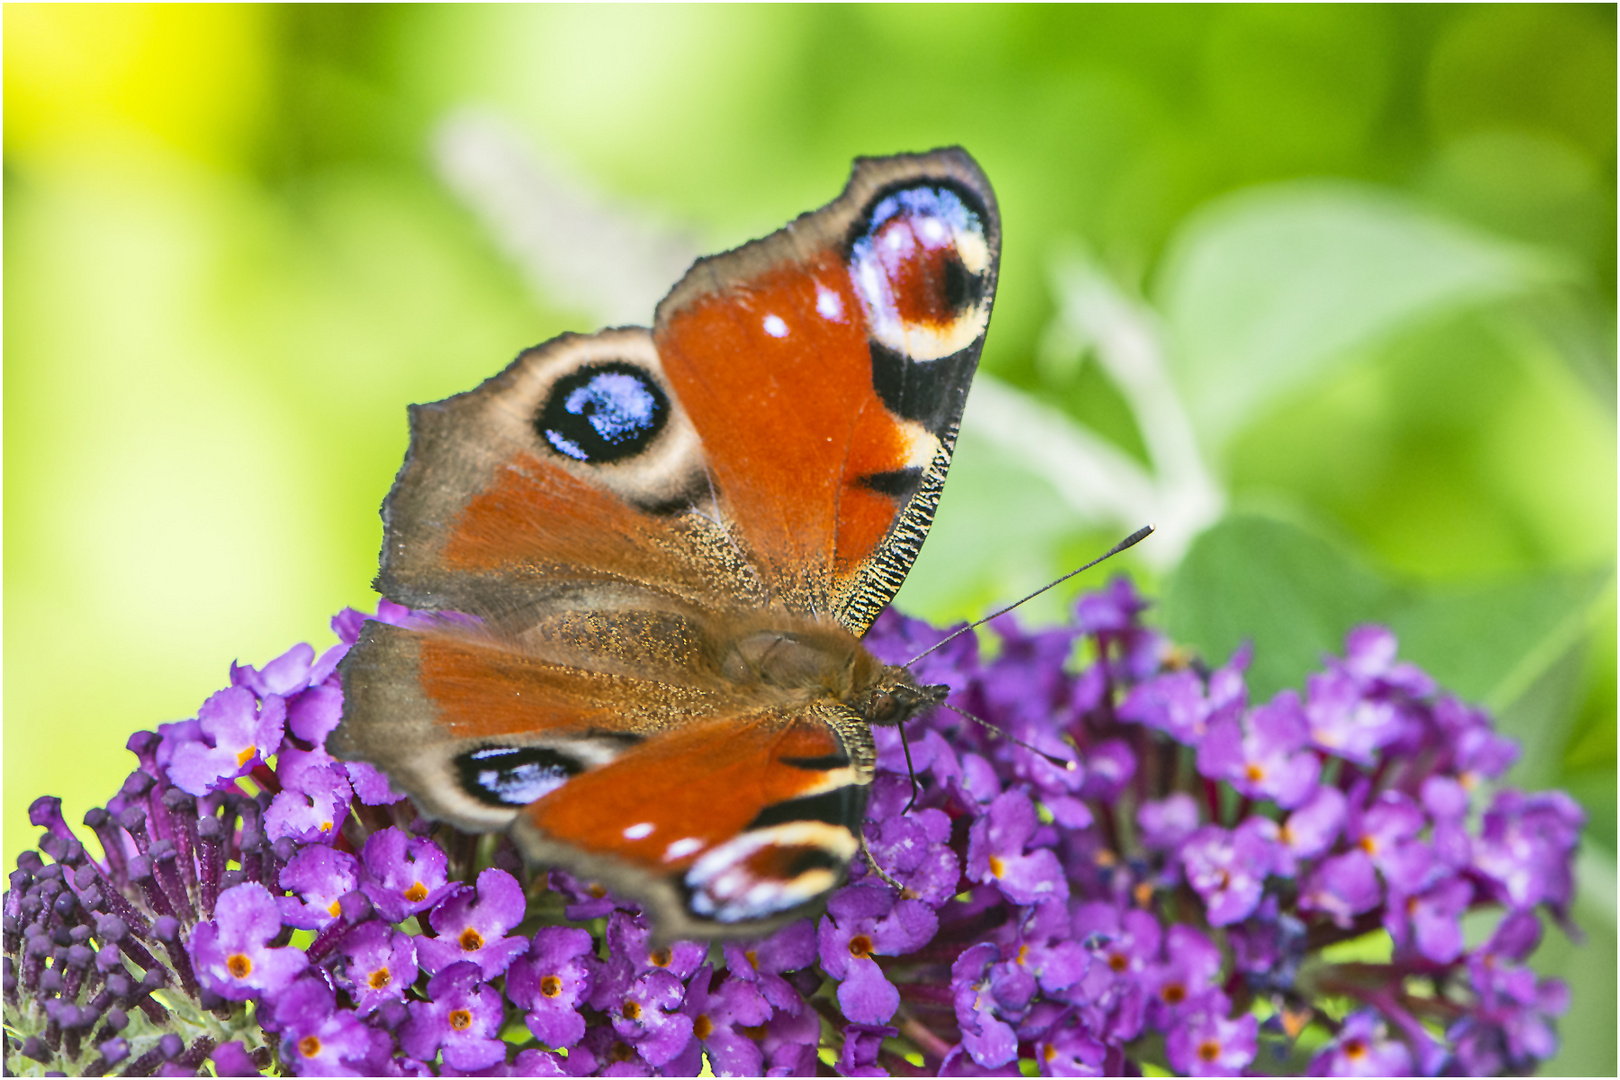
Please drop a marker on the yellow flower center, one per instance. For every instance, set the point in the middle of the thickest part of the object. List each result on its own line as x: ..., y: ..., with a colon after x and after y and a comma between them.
x: 471, y: 940
x: 309, y: 1046
x: 460, y: 1019
x: 239, y: 965
x: 1294, y: 1021
x: 551, y: 986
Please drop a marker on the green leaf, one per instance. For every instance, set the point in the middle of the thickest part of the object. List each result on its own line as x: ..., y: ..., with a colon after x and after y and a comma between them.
x: 1514, y: 647
x: 1292, y: 593
x: 1490, y: 643
x: 1295, y: 594
x: 1586, y: 1032
x: 1265, y: 290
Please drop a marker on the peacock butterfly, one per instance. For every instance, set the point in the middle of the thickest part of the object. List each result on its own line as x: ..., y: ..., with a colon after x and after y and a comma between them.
x: 663, y: 548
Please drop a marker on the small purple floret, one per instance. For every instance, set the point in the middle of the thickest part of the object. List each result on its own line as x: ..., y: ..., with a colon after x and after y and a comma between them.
x: 231, y: 953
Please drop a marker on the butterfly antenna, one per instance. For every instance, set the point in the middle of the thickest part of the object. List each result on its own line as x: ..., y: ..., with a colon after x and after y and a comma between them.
x: 1067, y: 766
x: 1130, y: 541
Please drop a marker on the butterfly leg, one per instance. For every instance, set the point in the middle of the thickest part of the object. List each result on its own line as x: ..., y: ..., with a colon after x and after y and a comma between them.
x: 871, y: 861
x: 911, y: 773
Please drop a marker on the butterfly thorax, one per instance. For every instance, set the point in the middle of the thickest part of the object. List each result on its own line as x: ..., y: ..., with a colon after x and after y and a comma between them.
x: 816, y: 661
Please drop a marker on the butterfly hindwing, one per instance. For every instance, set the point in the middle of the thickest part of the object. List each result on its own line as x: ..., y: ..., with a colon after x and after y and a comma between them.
x: 724, y: 828
x: 474, y: 727
x: 724, y: 816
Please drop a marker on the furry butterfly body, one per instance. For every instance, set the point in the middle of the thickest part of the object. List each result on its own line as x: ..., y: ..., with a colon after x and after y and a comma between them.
x: 664, y: 547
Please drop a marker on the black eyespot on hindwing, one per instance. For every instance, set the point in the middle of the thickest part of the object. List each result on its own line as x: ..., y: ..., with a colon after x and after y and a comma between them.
x: 603, y: 412
x: 514, y: 775
x: 840, y: 806
x: 802, y: 860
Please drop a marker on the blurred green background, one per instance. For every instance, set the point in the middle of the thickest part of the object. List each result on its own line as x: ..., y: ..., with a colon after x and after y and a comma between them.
x: 1325, y: 292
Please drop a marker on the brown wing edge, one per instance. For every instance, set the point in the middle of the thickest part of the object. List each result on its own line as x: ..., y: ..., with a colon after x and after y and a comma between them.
x: 882, y: 575
x: 869, y: 176
x: 419, y: 493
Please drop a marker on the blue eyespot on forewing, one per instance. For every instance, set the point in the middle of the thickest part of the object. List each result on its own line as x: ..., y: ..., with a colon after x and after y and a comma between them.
x: 603, y: 412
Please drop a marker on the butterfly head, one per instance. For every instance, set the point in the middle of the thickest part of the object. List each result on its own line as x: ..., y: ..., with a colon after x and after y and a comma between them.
x: 896, y: 699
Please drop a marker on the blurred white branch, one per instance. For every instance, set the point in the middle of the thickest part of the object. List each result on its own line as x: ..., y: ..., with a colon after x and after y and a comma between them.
x: 1094, y: 478
x: 614, y: 264
x: 1181, y: 497
x: 577, y: 249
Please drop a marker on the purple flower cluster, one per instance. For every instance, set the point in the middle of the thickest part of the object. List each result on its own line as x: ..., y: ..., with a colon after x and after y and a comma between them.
x: 1206, y: 881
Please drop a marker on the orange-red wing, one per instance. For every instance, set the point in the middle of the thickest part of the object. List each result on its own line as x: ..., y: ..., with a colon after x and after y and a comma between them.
x: 825, y: 369
x: 784, y: 418
x: 740, y: 821
x: 496, y: 511
x: 706, y: 782
x: 723, y: 816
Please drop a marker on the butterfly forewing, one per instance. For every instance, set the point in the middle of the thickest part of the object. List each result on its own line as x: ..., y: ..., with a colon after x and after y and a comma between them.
x: 575, y: 467
x: 825, y: 368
